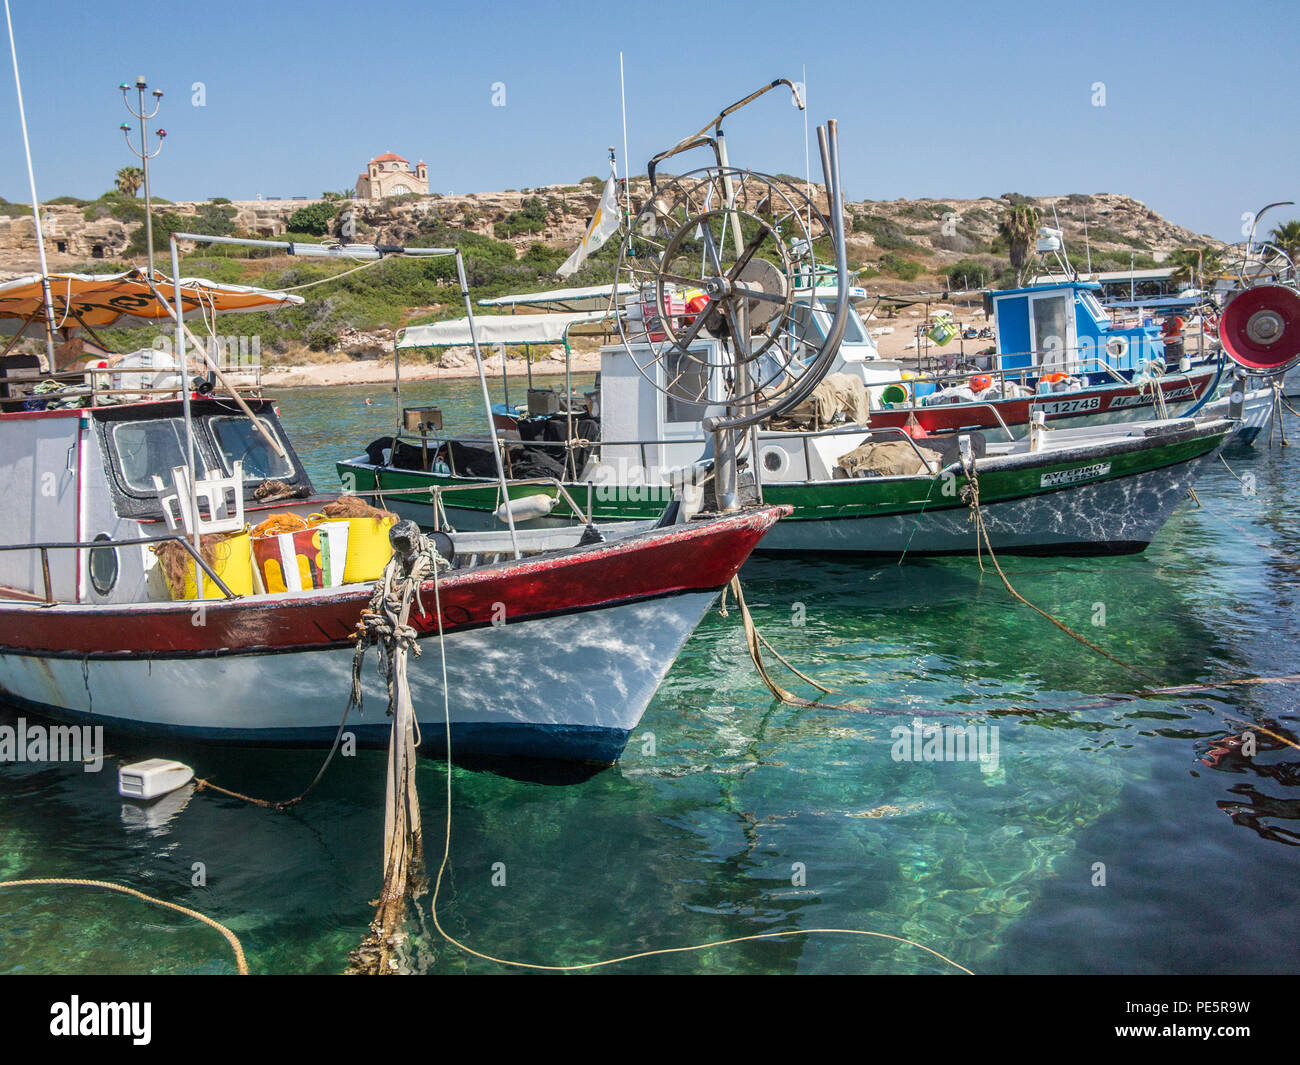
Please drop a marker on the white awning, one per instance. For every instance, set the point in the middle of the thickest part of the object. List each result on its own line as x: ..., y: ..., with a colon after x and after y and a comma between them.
x: 595, y: 298
x: 494, y: 329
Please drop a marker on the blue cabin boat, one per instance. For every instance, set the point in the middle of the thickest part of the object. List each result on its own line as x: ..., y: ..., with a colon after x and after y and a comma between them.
x: 1061, y: 327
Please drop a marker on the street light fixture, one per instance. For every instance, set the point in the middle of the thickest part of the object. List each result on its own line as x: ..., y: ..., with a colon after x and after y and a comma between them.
x: 141, y: 113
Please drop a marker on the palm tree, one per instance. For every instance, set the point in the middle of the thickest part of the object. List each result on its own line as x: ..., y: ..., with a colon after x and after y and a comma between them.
x: 129, y: 180
x: 1193, y: 265
x: 1018, y: 228
x: 1287, y: 238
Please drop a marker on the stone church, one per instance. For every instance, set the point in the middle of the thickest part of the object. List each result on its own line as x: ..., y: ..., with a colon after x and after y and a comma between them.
x: 391, y: 175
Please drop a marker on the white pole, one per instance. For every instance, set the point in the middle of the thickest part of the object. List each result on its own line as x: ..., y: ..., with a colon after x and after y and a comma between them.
x: 627, y: 185
x: 487, y: 402
x: 192, y: 504
x: 36, y: 210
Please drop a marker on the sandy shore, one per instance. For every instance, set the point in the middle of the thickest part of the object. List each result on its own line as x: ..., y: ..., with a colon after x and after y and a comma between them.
x: 380, y: 371
x: 899, y: 343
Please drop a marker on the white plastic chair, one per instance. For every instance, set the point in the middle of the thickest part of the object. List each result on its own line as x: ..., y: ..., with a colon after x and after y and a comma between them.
x: 223, y: 514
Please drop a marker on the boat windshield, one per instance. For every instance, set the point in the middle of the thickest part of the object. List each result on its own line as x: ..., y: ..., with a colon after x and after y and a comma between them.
x: 148, y: 449
x: 239, y: 441
x: 1094, y: 307
x: 813, y: 323
x: 855, y: 332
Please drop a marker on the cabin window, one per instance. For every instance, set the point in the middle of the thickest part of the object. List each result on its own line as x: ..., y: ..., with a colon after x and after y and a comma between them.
x: 812, y: 325
x: 687, y: 386
x: 1093, y: 306
x: 239, y: 441
x: 854, y: 331
x: 146, y: 449
x: 801, y: 322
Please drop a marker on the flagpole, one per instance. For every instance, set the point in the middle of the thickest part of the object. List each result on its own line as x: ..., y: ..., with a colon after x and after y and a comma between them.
x: 36, y: 210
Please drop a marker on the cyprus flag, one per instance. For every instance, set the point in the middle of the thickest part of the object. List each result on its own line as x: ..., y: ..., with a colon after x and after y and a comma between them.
x: 604, y: 223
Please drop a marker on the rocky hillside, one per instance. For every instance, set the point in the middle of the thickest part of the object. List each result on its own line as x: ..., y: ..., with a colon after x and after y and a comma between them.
x: 897, y: 244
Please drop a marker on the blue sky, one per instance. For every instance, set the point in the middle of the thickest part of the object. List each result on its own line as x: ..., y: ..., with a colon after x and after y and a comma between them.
x: 942, y: 99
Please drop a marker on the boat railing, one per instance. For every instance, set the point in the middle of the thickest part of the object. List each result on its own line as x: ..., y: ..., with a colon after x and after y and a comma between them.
x: 89, y: 379
x: 435, y: 492
x: 90, y: 545
x: 1020, y: 376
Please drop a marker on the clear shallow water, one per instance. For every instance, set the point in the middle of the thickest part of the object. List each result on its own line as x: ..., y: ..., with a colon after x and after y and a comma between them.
x: 699, y: 839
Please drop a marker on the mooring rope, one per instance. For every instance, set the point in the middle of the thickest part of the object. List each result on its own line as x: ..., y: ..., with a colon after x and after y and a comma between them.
x: 201, y: 783
x: 240, y: 962
x: 605, y: 962
x: 982, y: 543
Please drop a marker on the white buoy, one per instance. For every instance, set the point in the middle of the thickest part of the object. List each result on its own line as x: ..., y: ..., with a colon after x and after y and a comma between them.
x: 151, y: 778
x: 526, y: 508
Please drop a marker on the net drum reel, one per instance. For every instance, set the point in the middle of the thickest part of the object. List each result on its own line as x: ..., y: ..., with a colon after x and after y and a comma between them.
x: 693, y: 284
x: 1260, y: 329
x: 717, y: 255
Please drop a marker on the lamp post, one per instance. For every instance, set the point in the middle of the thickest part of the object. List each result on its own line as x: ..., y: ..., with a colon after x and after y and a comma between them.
x: 143, y: 154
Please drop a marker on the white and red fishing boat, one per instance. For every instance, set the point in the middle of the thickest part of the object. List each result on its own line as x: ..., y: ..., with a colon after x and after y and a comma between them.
x: 555, y: 640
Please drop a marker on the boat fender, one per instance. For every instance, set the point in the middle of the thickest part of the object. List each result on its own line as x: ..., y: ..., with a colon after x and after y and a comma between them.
x: 526, y: 508
x: 152, y: 778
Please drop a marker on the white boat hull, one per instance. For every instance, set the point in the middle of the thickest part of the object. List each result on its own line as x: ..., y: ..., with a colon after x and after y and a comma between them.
x: 521, y: 687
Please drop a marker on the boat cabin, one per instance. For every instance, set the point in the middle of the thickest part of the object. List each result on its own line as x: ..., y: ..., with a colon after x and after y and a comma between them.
x: 78, y: 474
x: 1061, y: 327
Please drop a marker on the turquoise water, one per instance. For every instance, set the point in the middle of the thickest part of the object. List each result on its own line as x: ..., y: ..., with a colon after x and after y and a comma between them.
x: 747, y: 816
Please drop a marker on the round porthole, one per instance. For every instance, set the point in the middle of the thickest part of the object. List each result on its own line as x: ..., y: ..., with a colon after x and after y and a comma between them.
x: 103, y: 566
x: 775, y: 460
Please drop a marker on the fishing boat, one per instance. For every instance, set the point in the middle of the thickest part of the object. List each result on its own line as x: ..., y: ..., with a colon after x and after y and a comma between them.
x: 555, y: 640
x: 853, y: 488
x: 720, y: 263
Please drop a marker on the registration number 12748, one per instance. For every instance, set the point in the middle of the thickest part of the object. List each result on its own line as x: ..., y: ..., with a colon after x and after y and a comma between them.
x: 1069, y: 406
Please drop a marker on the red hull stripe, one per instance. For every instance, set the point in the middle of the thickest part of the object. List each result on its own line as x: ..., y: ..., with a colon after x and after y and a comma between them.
x: 949, y: 417
x: 701, y: 557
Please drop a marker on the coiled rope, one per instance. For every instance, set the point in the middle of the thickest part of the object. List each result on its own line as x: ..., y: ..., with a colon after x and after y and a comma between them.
x: 240, y: 962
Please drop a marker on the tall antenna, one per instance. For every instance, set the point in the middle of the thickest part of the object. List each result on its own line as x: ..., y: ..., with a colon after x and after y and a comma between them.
x: 36, y: 209
x: 144, y: 154
x: 627, y: 181
x: 807, y: 166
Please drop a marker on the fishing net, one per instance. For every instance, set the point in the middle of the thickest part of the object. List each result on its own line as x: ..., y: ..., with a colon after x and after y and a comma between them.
x: 353, y: 507
x: 280, y: 523
x: 272, y: 490
x: 175, y: 561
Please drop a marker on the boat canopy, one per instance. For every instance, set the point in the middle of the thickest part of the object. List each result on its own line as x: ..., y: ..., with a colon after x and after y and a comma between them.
x: 491, y: 329
x: 106, y: 300
x: 595, y: 298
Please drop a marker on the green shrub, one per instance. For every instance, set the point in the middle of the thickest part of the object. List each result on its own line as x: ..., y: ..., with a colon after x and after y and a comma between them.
x: 905, y: 269
x: 887, y: 235
x: 969, y: 273
x: 315, y: 218
x: 530, y: 218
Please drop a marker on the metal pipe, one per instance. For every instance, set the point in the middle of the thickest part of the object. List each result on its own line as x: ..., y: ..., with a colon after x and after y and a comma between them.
x: 193, y: 502
x: 487, y: 402
x: 177, y: 313
x: 136, y: 541
x: 828, y: 143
